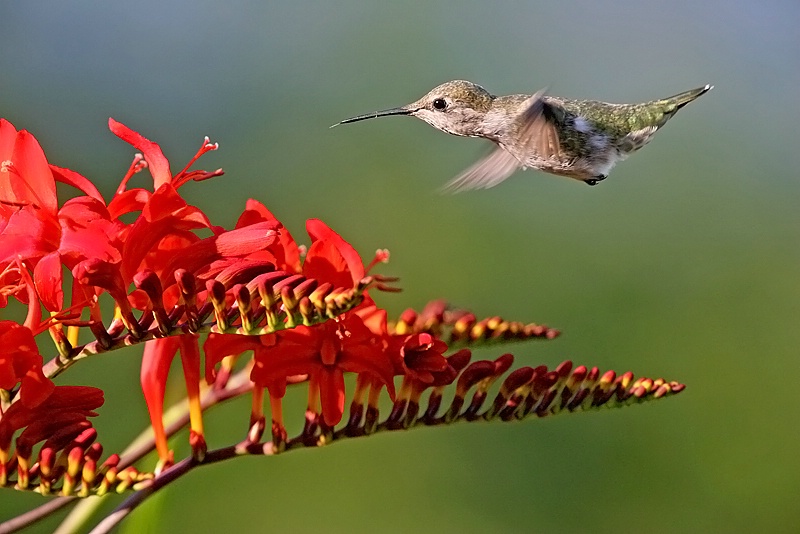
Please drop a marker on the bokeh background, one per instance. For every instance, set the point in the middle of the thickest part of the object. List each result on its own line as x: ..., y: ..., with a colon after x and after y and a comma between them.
x: 684, y: 264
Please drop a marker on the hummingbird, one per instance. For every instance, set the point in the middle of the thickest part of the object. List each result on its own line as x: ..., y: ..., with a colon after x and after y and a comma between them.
x: 580, y: 139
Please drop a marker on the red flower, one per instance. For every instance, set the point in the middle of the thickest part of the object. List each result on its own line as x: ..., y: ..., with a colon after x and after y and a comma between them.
x: 422, y: 356
x: 87, y: 232
x: 162, y: 231
x: 285, y: 254
x: 65, y: 406
x: 325, y: 352
x: 25, y: 177
x: 228, y: 251
x: 156, y: 161
x: 106, y: 254
x: 33, y: 231
x: 162, y: 240
x: 156, y: 361
x: 20, y: 362
x: 219, y: 346
x: 330, y: 258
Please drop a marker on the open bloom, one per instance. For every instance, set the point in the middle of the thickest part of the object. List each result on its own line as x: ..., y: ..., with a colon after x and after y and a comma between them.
x: 324, y: 352
x: 422, y: 356
x: 34, y: 230
x: 20, y: 362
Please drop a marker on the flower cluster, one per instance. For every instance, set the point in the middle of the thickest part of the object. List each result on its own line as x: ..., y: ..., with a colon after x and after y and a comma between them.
x: 247, y: 300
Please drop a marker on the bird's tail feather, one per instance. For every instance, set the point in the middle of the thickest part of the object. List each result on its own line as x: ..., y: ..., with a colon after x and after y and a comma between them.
x: 674, y: 103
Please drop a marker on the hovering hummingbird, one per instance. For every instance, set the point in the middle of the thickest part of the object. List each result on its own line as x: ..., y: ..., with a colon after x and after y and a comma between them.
x: 581, y: 139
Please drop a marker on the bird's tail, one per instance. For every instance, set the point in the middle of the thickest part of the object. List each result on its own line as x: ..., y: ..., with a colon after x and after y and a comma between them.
x: 656, y: 113
x: 674, y: 103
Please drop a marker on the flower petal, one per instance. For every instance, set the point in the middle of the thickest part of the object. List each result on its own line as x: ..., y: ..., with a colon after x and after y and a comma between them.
x: 48, y: 280
x: 29, y: 234
x: 331, y: 389
x: 20, y: 362
x: 157, y: 163
x: 76, y: 180
x: 330, y: 258
x: 88, y: 231
x: 156, y: 360
x: 25, y: 177
x: 285, y: 250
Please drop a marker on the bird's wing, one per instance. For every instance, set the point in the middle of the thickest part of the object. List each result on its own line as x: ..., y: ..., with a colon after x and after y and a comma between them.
x: 485, y: 173
x: 636, y: 139
x: 538, y: 132
x: 538, y: 136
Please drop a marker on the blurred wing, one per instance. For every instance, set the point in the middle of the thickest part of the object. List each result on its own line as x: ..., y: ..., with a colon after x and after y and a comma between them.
x: 538, y: 132
x: 486, y: 173
x: 538, y: 137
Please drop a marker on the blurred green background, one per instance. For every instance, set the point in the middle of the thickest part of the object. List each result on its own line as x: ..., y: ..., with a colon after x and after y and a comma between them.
x: 684, y: 264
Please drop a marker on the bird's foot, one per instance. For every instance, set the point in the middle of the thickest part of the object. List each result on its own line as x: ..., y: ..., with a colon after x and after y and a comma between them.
x: 596, y: 179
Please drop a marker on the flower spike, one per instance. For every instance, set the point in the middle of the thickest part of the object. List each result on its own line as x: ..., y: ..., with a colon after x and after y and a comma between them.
x: 462, y: 328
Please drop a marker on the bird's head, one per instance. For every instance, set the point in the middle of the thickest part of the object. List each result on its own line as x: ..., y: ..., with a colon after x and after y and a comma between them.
x: 457, y: 107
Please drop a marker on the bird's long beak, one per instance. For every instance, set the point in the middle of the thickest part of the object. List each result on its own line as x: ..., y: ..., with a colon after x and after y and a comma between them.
x: 385, y: 113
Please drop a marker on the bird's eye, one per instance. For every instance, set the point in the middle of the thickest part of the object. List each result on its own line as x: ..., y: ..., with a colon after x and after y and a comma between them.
x: 439, y: 103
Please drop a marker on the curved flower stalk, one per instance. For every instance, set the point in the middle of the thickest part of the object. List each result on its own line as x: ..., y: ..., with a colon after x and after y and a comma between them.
x: 248, y: 310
